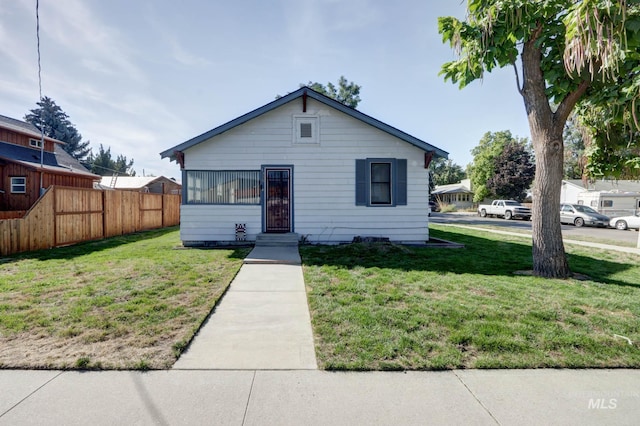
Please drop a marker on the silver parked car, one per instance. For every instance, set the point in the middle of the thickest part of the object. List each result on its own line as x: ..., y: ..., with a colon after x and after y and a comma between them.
x: 580, y: 215
x: 625, y: 222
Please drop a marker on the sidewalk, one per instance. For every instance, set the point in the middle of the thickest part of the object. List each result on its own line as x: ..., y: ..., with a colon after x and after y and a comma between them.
x: 312, y: 397
x: 262, y: 321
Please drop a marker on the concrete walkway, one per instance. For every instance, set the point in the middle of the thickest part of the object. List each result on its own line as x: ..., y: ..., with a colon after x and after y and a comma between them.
x: 262, y: 321
x: 312, y: 397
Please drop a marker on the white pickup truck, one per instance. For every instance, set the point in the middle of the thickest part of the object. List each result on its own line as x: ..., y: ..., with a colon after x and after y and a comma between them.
x: 508, y: 209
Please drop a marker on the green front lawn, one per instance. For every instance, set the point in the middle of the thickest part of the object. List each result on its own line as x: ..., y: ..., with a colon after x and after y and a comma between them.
x: 389, y: 307
x: 125, y: 302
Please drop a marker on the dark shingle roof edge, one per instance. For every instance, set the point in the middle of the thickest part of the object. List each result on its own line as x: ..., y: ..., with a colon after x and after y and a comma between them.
x: 318, y: 97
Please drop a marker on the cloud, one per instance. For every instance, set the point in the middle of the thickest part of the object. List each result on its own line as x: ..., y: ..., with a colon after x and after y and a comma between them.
x: 82, y: 36
x: 181, y: 55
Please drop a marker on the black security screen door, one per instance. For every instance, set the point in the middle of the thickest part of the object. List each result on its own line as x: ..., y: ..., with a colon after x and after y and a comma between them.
x: 278, y: 201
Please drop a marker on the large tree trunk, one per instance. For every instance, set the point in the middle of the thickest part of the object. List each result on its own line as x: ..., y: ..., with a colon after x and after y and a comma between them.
x: 549, y: 258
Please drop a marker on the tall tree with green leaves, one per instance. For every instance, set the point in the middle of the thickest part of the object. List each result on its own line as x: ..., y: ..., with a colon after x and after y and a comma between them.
x: 103, y: 164
x: 612, y: 147
x: 445, y: 172
x: 346, y: 92
x: 568, y: 52
x: 483, y: 167
x: 575, y: 159
x: 514, y: 172
x: 54, y: 122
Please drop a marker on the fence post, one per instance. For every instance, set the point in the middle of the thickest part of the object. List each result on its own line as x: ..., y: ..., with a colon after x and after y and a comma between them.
x: 104, y: 214
x: 162, y: 207
x: 54, y: 207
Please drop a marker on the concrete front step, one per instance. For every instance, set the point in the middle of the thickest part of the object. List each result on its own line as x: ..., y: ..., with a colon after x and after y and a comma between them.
x: 289, y: 239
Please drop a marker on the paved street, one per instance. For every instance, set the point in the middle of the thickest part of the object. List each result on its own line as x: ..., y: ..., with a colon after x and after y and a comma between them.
x: 605, y: 235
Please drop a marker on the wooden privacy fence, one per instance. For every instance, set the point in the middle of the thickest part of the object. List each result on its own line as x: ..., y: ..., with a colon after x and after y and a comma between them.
x: 64, y: 216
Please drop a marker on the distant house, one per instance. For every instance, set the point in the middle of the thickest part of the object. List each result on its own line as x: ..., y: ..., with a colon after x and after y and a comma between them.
x: 458, y: 194
x: 23, y: 170
x: 152, y: 184
x: 304, y: 164
x: 609, y: 197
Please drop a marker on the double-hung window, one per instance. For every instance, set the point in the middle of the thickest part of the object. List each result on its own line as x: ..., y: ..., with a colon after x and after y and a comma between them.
x: 381, y: 182
x: 381, y: 190
x: 18, y: 185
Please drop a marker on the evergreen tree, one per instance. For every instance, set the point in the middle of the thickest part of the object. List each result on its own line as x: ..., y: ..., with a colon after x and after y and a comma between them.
x: 103, y: 164
x: 54, y: 123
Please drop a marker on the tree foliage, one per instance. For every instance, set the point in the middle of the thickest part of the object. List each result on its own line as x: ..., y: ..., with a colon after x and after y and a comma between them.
x: 575, y: 160
x: 572, y: 53
x: 104, y: 165
x: 54, y: 123
x: 514, y: 172
x: 445, y: 172
x: 612, y: 150
x: 483, y: 168
x: 345, y: 92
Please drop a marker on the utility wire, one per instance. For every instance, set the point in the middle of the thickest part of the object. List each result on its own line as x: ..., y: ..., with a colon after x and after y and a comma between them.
x: 40, y: 98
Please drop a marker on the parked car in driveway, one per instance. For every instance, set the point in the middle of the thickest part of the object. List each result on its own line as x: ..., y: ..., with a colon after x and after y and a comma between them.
x: 580, y: 215
x: 626, y: 222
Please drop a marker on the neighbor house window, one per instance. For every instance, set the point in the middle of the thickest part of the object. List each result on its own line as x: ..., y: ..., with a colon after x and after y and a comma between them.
x: 381, y: 182
x: 306, y: 129
x: 35, y: 143
x: 18, y: 185
x: 607, y: 203
x: 223, y: 187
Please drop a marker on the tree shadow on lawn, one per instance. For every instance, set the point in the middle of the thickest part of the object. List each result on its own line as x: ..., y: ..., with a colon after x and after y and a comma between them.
x: 87, y: 247
x: 481, y: 256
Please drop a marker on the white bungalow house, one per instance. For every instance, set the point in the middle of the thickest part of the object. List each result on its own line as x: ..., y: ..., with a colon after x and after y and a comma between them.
x: 304, y: 164
x: 458, y: 194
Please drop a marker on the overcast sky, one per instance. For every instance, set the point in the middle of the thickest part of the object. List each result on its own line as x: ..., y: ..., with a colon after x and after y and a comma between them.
x: 141, y: 76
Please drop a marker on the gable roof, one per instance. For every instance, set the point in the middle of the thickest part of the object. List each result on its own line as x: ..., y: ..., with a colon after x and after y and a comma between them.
x: 24, y: 128
x: 453, y: 188
x: 318, y: 97
x: 67, y: 160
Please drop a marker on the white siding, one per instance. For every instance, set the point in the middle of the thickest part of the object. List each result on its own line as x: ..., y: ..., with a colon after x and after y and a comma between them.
x: 323, y: 178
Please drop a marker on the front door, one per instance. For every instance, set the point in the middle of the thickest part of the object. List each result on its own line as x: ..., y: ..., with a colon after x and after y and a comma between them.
x: 277, y: 204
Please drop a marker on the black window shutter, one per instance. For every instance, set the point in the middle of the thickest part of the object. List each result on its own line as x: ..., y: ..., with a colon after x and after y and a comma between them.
x: 401, y: 183
x: 361, y: 182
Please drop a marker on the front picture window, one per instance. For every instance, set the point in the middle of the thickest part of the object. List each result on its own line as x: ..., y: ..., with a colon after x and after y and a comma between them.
x: 223, y: 187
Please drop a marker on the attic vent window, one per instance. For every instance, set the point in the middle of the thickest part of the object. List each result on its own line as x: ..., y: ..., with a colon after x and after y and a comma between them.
x: 306, y: 130
x: 35, y: 143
